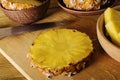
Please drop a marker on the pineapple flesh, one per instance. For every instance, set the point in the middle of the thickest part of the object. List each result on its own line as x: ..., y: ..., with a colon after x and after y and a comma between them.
x: 58, y: 48
x: 112, y: 24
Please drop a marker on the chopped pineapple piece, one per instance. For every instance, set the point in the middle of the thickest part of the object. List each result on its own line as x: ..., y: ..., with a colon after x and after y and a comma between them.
x: 111, y: 14
x: 112, y: 24
x: 57, y: 48
x: 113, y: 32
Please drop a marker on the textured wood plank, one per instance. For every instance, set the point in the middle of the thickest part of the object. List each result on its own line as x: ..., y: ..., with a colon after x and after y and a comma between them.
x: 15, y: 49
x: 102, y: 68
x: 8, y: 72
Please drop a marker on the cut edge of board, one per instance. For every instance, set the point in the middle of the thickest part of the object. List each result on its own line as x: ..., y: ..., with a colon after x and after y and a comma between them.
x: 15, y: 65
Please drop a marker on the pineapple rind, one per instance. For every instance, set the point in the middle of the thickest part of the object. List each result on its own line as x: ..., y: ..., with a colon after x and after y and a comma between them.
x: 56, y: 49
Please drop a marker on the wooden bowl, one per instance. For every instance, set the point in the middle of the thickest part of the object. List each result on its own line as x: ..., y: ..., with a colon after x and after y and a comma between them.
x: 110, y: 48
x: 84, y: 13
x: 27, y: 16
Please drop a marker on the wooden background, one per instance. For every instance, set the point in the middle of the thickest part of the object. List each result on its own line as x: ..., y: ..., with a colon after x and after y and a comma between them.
x: 103, y: 67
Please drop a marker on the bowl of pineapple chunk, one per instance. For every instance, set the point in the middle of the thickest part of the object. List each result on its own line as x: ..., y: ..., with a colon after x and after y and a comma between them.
x: 108, y: 32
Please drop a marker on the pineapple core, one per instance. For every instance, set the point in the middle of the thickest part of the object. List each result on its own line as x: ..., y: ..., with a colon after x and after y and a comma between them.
x: 57, y: 48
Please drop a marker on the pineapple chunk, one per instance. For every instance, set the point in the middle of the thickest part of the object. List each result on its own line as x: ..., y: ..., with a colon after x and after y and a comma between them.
x: 111, y: 14
x: 56, y: 49
x: 112, y: 24
x: 113, y: 32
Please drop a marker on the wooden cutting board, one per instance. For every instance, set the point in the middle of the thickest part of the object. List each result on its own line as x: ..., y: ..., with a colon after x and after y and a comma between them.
x: 16, y: 48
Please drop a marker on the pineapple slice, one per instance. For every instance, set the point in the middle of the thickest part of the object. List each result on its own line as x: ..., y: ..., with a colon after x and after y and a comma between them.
x: 111, y: 14
x: 112, y: 24
x: 58, y: 48
x: 114, y: 32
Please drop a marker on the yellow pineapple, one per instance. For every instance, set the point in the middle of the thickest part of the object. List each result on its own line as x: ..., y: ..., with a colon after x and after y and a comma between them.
x: 112, y: 24
x: 111, y: 14
x: 61, y: 51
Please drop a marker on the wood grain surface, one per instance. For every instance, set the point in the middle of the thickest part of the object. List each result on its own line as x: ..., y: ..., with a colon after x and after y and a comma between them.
x: 8, y: 72
x: 15, y: 49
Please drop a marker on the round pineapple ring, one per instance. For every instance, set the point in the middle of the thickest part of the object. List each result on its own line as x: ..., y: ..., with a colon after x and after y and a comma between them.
x: 57, y: 49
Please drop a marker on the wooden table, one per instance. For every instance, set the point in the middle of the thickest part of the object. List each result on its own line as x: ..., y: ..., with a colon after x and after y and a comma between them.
x: 103, y: 66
